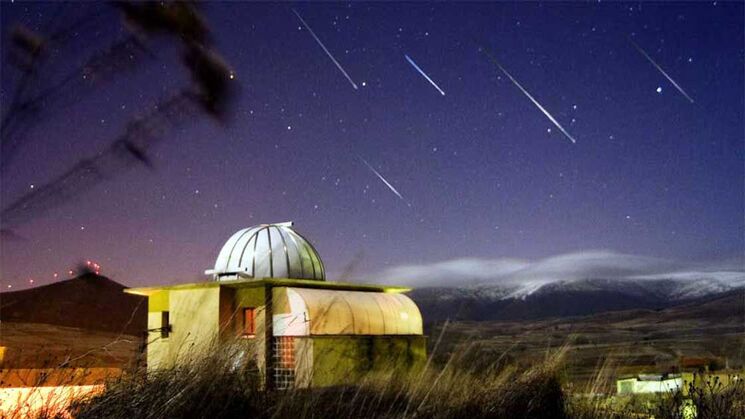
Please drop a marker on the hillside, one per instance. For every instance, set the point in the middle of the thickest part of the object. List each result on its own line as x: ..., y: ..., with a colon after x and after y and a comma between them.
x: 627, y: 341
x: 558, y: 299
x: 90, y: 302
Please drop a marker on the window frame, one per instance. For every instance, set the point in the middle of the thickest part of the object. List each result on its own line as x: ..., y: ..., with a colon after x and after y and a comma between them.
x: 248, y: 328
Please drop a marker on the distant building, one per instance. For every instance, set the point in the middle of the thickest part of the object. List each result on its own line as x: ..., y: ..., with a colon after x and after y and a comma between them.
x: 269, y: 292
x: 649, y: 383
x: 664, y: 383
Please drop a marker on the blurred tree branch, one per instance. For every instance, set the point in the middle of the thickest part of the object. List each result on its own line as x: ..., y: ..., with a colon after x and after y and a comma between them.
x: 209, y: 94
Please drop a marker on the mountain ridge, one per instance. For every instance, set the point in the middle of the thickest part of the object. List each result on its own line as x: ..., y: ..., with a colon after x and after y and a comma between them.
x: 563, y: 298
x: 89, y: 301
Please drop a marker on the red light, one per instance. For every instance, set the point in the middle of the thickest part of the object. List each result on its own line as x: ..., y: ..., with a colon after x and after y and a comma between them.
x: 70, y: 272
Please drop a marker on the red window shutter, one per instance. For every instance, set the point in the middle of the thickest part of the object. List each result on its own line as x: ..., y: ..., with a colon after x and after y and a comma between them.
x: 249, y: 321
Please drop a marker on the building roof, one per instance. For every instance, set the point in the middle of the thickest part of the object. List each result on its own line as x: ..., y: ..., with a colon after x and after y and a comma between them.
x: 273, y: 282
x: 309, y: 311
x: 268, y: 251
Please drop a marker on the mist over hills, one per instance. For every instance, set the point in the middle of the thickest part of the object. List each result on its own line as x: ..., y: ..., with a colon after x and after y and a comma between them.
x: 561, y: 298
x: 570, y: 284
x: 573, y: 284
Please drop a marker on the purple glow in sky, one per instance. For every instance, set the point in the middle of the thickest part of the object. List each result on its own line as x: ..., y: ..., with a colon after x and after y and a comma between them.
x: 486, y: 173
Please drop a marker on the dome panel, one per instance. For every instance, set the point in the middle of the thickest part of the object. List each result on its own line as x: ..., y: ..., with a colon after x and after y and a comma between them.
x: 268, y: 251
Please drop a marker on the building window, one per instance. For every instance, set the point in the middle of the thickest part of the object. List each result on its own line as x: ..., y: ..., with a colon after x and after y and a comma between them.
x: 284, y: 362
x: 165, y: 325
x: 249, y: 322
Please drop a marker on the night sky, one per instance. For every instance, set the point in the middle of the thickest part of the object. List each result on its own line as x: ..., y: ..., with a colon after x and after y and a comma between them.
x: 481, y: 170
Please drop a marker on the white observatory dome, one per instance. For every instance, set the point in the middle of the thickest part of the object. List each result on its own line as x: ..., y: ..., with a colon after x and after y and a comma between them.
x: 268, y: 251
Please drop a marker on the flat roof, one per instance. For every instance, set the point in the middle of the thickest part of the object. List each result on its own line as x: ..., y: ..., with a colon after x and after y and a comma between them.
x: 273, y: 282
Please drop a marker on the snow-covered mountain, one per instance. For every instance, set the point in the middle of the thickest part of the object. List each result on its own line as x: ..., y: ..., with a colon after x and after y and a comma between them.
x: 564, y: 297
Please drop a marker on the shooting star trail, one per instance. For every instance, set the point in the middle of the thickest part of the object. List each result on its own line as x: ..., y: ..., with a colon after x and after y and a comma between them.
x: 424, y: 74
x: 657, y: 66
x: 325, y: 49
x: 383, y: 179
x: 532, y: 99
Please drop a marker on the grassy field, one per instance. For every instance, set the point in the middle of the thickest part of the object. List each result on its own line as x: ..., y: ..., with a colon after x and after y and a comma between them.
x: 217, y: 387
x: 36, y: 345
x: 556, y: 368
x: 610, y: 344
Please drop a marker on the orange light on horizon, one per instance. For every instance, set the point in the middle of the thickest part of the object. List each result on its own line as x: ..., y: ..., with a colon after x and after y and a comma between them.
x: 55, y: 400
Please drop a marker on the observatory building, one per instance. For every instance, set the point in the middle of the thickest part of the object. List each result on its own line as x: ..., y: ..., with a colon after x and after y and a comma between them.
x: 268, y: 294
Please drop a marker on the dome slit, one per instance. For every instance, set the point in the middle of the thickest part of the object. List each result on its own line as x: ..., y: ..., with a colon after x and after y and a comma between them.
x: 253, y: 260
x: 284, y: 245
x: 248, y: 243
x: 271, y: 253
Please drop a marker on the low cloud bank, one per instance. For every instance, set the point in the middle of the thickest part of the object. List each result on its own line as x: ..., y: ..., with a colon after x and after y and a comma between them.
x: 594, y: 264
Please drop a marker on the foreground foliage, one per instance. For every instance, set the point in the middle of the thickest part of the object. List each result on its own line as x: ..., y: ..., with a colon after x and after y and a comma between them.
x: 218, y: 386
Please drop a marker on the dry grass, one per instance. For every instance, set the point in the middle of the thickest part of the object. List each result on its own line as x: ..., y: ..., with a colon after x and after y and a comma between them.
x: 217, y: 386
x: 713, y: 401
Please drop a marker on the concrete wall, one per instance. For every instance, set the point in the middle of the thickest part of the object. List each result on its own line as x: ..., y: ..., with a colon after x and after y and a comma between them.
x: 341, y: 360
x: 194, y: 316
x: 635, y: 386
x: 157, y: 348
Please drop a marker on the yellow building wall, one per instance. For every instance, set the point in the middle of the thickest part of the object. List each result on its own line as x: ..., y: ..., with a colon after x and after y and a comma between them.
x: 195, y: 319
x: 342, y: 360
x: 200, y: 318
x: 204, y: 316
x: 157, y: 348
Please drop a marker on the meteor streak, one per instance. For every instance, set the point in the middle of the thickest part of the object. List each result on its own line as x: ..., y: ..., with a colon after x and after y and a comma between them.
x: 383, y: 179
x: 325, y: 49
x: 670, y: 79
x: 424, y: 74
x: 532, y: 99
